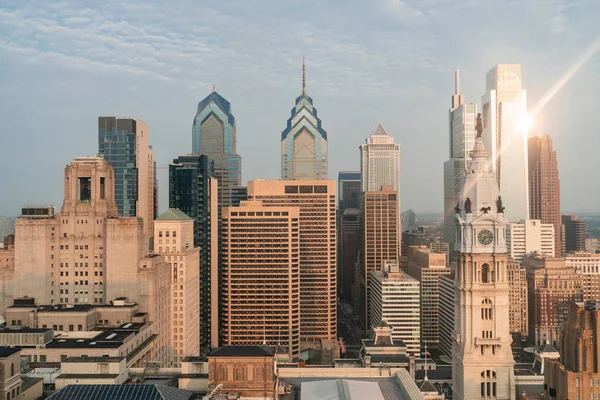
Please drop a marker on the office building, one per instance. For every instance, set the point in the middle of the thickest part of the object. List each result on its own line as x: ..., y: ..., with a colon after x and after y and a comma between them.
x: 574, y: 233
x: 551, y: 286
x: 394, y: 298
x: 174, y: 238
x: 304, y: 141
x: 529, y: 236
x: 380, y: 161
x: 214, y: 135
x: 505, y: 136
x: 544, y: 186
x: 483, y: 364
x: 380, y: 240
x: 349, y: 245
x: 261, y: 276
x: 409, y: 220
x: 427, y: 267
x: 193, y: 189
x: 517, y: 298
x: 317, y: 203
x: 348, y: 189
x: 587, y: 266
x: 462, y: 138
x: 576, y: 374
x: 123, y: 143
x: 446, y: 314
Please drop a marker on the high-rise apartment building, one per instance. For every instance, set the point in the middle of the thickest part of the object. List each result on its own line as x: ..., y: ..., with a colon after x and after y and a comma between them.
x: 544, y: 186
x: 446, y: 314
x: 304, y: 142
x: 483, y: 364
x: 380, y: 240
x: 123, y: 142
x: 505, y: 136
x: 517, y: 298
x: 380, y: 161
x: 574, y: 233
x: 529, y: 236
x: 577, y: 374
x: 174, y: 238
x: 551, y: 287
x: 394, y: 298
x: 193, y: 189
x: 317, y: 203
x: 349, y: 244
x: 261, y: 276
x: 462, y: 138
x: 427, y: 267
x: 214, y: 135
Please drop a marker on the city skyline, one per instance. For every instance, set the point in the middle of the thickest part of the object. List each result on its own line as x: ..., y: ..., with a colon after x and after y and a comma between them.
x: 382, y: 86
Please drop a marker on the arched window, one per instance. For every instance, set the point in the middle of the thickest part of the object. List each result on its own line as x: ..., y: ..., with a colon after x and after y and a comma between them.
x: 488, y: 384
x: 485, y: 273
x: 486, y: 310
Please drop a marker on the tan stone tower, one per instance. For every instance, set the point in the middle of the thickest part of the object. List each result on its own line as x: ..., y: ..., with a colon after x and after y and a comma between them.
x: 482, y: 361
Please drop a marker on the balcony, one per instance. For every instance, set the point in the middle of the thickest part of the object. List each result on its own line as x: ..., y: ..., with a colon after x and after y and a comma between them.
x: 487, y: 342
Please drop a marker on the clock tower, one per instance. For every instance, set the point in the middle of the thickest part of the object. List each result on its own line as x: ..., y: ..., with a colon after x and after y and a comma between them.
x: 482, y: 360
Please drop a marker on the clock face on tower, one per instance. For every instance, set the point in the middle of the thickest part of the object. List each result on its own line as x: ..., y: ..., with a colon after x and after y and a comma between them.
x: 485, y: 237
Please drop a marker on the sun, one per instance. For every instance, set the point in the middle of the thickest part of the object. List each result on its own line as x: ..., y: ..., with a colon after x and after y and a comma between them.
x: 525, y: 124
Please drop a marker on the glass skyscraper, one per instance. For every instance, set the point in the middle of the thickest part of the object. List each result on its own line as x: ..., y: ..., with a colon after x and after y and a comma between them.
x: 303, y: 141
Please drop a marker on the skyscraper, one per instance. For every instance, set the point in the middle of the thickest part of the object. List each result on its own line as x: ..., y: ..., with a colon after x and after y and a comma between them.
x: 483, y: 364
x: 347, y: 227
x: 123, y: 142
x: 303, y: 141
x: 574, y: 233
x: 380, y: 161
x: 214, y: 135
x: 529, y: 236
x: 505, y: 136
x: 544, y: 186
x: 261, y: 276
x: 462, y: 137
x: 193, y: 189
x: 349, y: 189
x: 317, y: 202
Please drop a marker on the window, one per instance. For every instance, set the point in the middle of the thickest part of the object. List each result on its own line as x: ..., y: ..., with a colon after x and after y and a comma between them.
x: 488, y: 384
x: 486, y: 310
x: 12, y: 369
x: 71, y: 328
x: 174, y: 234
x: 485, y: 273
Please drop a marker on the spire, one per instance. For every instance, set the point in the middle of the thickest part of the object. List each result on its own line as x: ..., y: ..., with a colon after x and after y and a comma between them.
x: 214, y: 88
x: 457, y: 98
x: 303, y: 76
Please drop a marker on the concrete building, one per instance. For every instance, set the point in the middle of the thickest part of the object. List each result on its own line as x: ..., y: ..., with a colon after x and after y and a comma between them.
x: 574, y: 233
x: 174, y: 239
x: 576, y: 375
x: 483, y: 363
x: 380, y: 240
x: 92, y: 371
x: 349, y: 245
x: 504, y: 109
x: 551, y: 287
x: 462, y: 138
x: 123, y: 143
x: 380, y: 161
x: 194, y: 190
x: 446, y: 314
x: 544, y: 186
x: 317, y: 232
x: 427, y: 267
x: 530, y: 236
x: 261, y: 276
x: 395, y: 299
x: 587, y: 267
x: 517, y: 298
x: 304, y: 143
x: 10, y: 373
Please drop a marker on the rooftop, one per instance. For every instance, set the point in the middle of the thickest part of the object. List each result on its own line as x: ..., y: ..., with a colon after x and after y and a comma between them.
x: 24, y: 330
x: 93, y: 359
x: 123, y: 392
x: 65, y: 307
x: 8, y: 351
x: 174, y: 214
x: 242, y: 351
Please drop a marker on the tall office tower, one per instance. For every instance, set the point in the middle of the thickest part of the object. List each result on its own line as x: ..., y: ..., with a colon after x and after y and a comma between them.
x: 446, y: 314
x: 380, y: 240
x: 349, y: 189
x: 174, y: 238
x: 587, y: 266
x: 462, y: 138
x: 395, y: 300
x: 349, y: 245
x: 317, y: 203
x: 574, y: 236
x: 483, y: 364
x: 529, y: 236
x: 409, y: 220
x: 213, y: 134
x: 551, y: 286
x: 261, y: 276
x: 304, y: 142
x: 517, y: 298
x: 576, y: 374
x: 380, y: 161
x: 123, y: 142
x: 193, y: 189
x: 505, y: 136
x: 544, y: 186
x: 427, y: 267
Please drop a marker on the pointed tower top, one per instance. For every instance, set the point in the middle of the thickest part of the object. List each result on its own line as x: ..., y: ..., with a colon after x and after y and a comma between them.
x: 379, y: 131
x: 214, y: 88
x: 303, y: 76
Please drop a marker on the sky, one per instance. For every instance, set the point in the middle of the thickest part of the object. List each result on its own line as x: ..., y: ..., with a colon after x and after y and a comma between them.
x: 64, y: 63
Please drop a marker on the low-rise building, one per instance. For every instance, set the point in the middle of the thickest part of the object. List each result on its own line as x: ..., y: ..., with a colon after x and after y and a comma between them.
x: 92, y: 371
